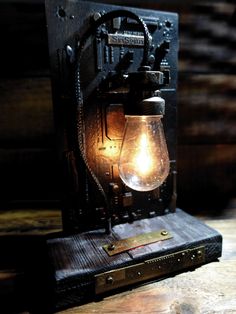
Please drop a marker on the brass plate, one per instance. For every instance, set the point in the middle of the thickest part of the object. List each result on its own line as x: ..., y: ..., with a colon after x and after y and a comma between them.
x: 134, y: 242
x: 149, y: 269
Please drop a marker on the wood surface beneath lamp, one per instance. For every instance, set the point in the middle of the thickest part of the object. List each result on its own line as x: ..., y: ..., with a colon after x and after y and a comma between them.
x: 209, y: 289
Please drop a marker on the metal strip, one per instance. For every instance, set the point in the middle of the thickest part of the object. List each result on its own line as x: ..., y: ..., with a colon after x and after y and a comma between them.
x: 125, y: 40
x: 149, y: 269
x: 127, y: 244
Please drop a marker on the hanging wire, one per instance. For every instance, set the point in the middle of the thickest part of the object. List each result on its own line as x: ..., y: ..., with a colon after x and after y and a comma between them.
x: 78, y: 92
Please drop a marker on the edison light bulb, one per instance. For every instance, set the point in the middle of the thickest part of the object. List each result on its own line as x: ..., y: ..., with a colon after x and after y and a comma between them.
x: 144, y: 161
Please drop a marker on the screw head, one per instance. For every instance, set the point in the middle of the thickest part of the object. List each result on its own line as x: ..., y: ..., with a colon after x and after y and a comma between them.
x: 110, y: 280
x: 199, y: 253
x: 111, y: 247
x: 96, y: 16
x: 164, y: 233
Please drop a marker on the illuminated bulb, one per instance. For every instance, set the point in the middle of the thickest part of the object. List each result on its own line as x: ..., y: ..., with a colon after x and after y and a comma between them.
x: 144, y: 161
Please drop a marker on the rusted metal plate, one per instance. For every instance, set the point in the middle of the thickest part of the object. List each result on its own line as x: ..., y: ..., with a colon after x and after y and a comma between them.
x: 149, y: 269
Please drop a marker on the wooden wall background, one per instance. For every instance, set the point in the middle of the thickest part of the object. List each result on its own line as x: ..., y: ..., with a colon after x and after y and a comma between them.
x: 29, y: 174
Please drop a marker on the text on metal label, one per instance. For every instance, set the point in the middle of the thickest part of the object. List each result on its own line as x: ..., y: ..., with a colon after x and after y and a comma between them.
x: 125, y: 40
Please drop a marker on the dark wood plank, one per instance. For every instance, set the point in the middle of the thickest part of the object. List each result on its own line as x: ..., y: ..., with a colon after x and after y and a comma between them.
x: 26, y: 113
x: 206, y: 177
x: 207, y: 112
x: 24, y: 39
x: 29, y: 222
x: 209, y: 287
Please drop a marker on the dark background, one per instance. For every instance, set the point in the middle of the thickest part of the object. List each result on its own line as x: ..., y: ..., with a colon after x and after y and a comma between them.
x: 29, y: 172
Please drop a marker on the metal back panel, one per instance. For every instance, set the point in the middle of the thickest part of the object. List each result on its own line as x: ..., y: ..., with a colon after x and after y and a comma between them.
x: 116, y: 48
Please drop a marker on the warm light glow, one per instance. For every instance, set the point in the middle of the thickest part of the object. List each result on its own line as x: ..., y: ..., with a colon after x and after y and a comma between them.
x: 143, y: 158
x: 144, y: 161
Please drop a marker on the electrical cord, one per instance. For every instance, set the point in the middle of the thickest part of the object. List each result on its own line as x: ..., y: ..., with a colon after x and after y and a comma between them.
x: 78, y: 92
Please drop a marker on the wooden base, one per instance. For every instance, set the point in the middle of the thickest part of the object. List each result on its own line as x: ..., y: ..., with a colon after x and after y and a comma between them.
x: 76, y: 260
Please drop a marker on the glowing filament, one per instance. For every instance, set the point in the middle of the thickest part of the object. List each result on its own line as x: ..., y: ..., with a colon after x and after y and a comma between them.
x: 144, y: 161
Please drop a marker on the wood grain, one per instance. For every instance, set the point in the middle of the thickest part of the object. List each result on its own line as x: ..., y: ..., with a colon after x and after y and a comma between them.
x: 207, y: 115
x: 209, y: 103
x: 26, y: 114
x: 209, y: 289
x: 29, y: 222
x: 206, y: 177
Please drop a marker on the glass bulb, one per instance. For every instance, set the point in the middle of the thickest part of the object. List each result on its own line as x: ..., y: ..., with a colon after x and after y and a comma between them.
x: 144, y: 161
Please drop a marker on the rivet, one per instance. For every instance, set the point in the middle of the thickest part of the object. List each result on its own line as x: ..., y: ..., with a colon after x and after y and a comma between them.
x: 164, y: 233
x: 151, y: 59
x: 111, y: 247
x: 115, y: 187
x: 192, y: 257
x: 199, y: 253
x: 110, y: 280
x: 96, y: 16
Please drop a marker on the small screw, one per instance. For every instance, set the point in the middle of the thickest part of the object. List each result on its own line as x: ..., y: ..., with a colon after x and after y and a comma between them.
x: 164, y: 233
x: 115, y: 187
x: 111, y: 247
x: 192, y: 257
x: 110, y: 280
x: 199, y: 253
x: 70, y: 53
x: 151, y: 59
x: 96, y: 16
